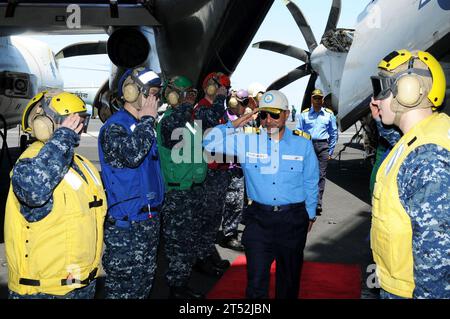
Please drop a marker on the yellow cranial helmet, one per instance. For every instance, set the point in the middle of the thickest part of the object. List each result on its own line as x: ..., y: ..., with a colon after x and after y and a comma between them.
x: 415, y: 78
x: 47, y: 110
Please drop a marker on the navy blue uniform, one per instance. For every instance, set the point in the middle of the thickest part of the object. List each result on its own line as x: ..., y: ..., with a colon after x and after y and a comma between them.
x: 324, y: 133
x: 127, y: 149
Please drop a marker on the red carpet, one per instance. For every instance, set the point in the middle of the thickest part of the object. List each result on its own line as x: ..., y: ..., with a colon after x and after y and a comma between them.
x: 319, y: 281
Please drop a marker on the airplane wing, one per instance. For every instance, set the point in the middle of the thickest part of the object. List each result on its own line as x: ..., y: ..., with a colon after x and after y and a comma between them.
x: 200, y: 36
x: 71, y: 17
x: 189, y: 37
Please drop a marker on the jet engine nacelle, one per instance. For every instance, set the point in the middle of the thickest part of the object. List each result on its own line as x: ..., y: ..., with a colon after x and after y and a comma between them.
x: 128, y: 48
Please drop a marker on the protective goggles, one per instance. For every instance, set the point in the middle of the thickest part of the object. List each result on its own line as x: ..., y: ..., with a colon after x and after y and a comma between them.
x: 382, y: 86
x: 150, y: 90
x: 189, y: 95
x: 263, y: 115
x: 58, y: 119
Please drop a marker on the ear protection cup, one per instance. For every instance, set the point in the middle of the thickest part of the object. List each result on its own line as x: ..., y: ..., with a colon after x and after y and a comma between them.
x: 211, y: 89
x: 233, y: 102
x: 410, y: 90
x: 130, y: 92
x: 172, y: 97
x: 43, y: 127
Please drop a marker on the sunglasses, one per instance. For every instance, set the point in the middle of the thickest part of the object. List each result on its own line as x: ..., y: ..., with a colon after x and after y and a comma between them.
x: 244, y: 101
x: 263, y: 115
x: 317, y: 98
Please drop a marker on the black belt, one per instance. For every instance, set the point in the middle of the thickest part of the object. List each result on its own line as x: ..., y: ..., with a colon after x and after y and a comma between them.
x: 156, y: 209
x: 280, y: 208
x: 64, y: 282
x: 125, y: 223
x: 321, y: 141
x: 87, y: 281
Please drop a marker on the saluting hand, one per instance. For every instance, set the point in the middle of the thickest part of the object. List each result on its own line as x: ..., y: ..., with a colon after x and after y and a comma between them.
x: 150, y: 107
x: 244, y: 119
x: 73, y: 122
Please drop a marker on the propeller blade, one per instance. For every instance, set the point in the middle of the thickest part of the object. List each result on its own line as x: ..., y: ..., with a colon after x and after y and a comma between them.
x: 283, y: 49
x: 82, y: 48
x: 308, y: 91
x: 300, y: 19
x: 334, y: 15
x: 292, y: 76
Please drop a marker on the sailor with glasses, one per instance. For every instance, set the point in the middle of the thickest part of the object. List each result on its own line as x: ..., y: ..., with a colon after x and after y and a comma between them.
x: 281, y: 175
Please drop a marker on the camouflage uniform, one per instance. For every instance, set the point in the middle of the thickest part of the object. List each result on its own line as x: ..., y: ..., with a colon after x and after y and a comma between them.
x: 180, y: 228
x: 87, y: 292
x: 234, y: 202
x: 388, y: 138
x: 210, y: 218
x: 389, y: 134
x: 36, y: 194
x: 216, y: 184
x: 130, y: 258
x: 424, y: 184
x: 130, y: 253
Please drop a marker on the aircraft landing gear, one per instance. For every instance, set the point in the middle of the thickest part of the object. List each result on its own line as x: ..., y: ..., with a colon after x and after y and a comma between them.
x: 5, y: 149
x: 23, y: 143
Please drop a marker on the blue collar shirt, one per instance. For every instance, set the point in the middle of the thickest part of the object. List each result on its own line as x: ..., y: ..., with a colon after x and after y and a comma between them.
x: 320, y: 125
x: 276, y: 172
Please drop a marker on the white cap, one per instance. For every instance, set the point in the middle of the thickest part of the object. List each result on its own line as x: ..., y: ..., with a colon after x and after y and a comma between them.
x: 274, y: 101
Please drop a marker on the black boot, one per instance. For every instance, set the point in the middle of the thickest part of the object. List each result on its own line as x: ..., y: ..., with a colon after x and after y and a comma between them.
x: 231, y: 242
x: 184, y: 292
x: 207, y: 267
x: 217, y: 260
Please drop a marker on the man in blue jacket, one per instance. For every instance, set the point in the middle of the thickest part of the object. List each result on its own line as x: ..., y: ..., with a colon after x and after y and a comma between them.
x: 134, y: 186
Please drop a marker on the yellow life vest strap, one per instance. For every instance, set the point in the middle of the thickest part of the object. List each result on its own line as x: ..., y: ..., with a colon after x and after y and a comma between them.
x: 63, y: 282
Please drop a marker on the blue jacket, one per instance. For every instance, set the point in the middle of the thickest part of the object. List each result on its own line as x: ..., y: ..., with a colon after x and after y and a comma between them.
x: 131, y: 190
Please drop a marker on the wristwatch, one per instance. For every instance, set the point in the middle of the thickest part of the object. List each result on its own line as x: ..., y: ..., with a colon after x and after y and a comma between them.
x: 313, y: 219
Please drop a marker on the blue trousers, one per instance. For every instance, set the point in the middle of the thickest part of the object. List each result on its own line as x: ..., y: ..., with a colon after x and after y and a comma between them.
x: 279, y: 236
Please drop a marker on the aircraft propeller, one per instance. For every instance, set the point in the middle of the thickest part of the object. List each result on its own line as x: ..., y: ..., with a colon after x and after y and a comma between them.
x: 300, y: 54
